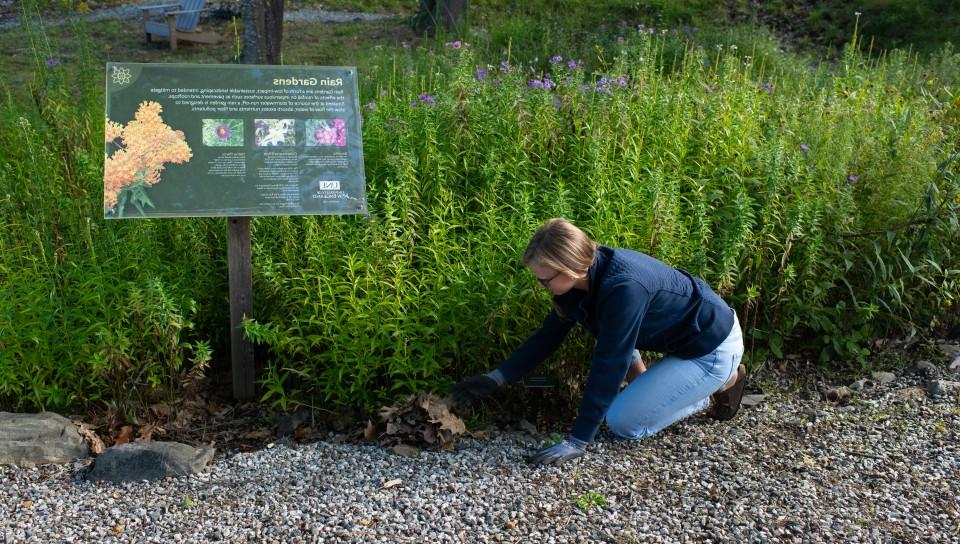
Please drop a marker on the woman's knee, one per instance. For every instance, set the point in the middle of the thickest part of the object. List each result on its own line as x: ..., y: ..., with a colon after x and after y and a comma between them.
x: 626, y: 425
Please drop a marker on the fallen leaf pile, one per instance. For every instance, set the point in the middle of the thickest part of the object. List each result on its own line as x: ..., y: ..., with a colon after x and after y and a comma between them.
x: 421, y: 420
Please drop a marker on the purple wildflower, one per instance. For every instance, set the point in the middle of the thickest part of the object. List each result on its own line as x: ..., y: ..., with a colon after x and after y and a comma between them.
x: 556, y: 59
x: 556, y: 103
x: 223, y: 132
x: 456, y: 45
x: 370, y: 106
x: 505, y: 65
x: 384, y: 92
x: 805, y: 147
x: 481, y: 73
x: 573, y: 64
x: 767, y: 87
x: 53, y: 62
x: 852, y: 178
x: 535, y: 83
x: 427, y: 98
x: 413, y: 104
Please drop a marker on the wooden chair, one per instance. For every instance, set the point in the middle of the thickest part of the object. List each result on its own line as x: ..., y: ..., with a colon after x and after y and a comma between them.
x: 181, y: 23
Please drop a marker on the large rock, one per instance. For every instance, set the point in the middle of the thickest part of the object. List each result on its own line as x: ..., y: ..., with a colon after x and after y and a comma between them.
x: 149, y: 461
x: 37, y: 439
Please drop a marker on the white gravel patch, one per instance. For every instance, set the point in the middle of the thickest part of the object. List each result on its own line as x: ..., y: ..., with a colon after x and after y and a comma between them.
x: 885, y: 468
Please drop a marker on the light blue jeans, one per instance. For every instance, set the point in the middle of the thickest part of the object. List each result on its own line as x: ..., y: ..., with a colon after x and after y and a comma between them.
x: 673, y: 389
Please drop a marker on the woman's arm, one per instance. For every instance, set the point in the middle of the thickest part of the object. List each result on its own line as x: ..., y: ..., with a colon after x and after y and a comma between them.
x: 536, y: 349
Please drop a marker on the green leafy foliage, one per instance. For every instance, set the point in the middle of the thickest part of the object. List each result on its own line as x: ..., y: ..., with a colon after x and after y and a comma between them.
x: 91, y: 311
x: 821, y: 202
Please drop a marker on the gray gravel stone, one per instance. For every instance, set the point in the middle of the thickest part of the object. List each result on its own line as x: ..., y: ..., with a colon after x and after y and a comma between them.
x: 883, y: 378
x: 936, y: 388
x: 927, y: 369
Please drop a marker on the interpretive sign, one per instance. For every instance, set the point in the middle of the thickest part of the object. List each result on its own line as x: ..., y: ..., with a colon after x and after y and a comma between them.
x: 185, y: 140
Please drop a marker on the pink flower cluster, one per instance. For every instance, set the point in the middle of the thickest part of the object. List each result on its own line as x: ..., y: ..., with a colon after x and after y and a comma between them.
x: 334, y: 133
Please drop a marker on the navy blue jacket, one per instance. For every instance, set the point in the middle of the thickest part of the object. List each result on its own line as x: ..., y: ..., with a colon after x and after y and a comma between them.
x: 634, y: 301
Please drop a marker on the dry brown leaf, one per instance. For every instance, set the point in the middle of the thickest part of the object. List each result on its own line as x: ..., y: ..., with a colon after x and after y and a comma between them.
x: 391, y: 483
x: 421, y: 420
x: 145, y: 434
x: 117, y: 529
x: 116, y: 495
x: 86, y: 430
x: 370, y: 433
x: 161, y: 409
x: 123, y: 437
x: 439, y: 412
x: 259, y: 434
x: 27, y: 503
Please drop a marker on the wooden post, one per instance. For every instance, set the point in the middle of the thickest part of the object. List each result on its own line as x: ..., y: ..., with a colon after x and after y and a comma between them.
x: 239, y: 262
x: 262, y: 35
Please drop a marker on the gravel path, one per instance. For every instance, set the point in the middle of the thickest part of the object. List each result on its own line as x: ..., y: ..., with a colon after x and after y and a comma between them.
x: 883, y: 468
x: 306, y: 15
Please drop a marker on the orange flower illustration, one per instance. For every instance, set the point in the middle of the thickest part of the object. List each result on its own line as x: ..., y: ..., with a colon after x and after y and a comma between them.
x: 145, y: 144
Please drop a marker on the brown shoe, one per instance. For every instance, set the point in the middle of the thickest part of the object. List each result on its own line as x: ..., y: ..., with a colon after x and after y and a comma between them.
x: 726, y: 403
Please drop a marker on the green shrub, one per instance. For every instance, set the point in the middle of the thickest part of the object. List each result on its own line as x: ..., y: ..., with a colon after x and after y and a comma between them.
x: 90, y: 311
x: 820, y: 201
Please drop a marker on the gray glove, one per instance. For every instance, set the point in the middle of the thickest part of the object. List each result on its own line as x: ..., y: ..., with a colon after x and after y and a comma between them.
x: 476, y: 387
x: 571, y: 448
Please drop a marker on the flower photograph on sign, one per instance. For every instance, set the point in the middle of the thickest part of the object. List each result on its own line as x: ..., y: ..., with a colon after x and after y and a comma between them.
x: 326, y: 132
x: 222, y: 132
x: 270, y: 132
x: 135, y: 155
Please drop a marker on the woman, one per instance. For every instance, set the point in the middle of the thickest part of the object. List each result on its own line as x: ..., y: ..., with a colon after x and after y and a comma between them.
x: 629, y: 301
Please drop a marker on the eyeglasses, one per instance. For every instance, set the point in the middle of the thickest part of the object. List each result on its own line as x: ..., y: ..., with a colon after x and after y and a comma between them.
x: 545, y: 283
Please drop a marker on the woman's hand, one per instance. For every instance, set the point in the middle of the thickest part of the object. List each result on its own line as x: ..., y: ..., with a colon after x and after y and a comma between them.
x: 571, y: 448
x: 473, y: 389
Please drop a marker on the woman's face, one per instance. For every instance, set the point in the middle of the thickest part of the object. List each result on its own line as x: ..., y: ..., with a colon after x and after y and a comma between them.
x: 557, y: 282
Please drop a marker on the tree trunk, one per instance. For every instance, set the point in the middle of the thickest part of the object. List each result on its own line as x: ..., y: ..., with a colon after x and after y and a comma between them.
x: 262, y: 31
x: 449, y: 14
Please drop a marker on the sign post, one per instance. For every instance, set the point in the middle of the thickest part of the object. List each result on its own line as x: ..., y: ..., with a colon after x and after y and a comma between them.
x: 234, y: 141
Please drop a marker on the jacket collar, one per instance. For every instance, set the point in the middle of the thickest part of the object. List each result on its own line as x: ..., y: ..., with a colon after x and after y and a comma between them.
x: 601, y: 260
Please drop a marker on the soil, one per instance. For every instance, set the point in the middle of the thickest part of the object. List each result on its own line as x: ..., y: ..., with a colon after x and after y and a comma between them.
x: 214, y: 418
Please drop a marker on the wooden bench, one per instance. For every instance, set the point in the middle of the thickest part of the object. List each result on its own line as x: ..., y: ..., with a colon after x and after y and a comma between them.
x: 181, y: 23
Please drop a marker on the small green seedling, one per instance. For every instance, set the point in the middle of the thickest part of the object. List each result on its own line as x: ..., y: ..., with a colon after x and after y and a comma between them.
x: 589, y: 500
x: 187, y: 503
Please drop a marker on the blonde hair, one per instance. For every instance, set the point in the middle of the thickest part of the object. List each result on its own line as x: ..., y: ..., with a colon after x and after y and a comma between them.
x: 560, y: 245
